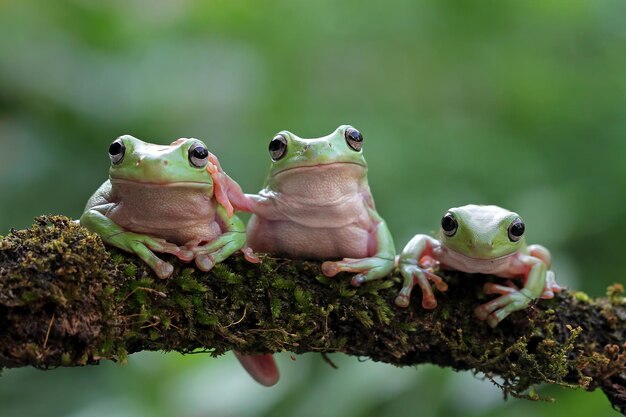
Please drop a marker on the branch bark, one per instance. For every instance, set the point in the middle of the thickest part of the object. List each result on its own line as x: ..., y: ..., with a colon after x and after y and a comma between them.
x: 66, y: 300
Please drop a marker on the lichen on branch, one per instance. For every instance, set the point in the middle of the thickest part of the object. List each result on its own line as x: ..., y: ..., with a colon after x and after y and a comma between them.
x: 66, y: 300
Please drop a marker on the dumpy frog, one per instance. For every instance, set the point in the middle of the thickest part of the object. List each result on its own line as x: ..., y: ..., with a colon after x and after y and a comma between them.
x: 316, y: 204
x: 485, y: 240
x: 166, y: 199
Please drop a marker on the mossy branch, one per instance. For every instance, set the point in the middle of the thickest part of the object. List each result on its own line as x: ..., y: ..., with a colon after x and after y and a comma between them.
x: 66, y: 300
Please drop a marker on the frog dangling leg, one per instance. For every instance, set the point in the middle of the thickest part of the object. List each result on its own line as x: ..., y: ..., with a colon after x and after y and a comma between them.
x: 413, y: 271
x: 535, y: 272
x: 262, y: 368
x: 368, y: 269
x: 217, y: 250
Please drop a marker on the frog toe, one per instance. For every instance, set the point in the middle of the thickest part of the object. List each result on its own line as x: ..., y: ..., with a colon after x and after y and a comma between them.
x: 163, y: 269
x: 481, y: 312
x: 204, y: 262
x: 493, y: 320
x: 185, y: 255
x: 402, y: 300
x: 358, y: 280
x: 429, y: 302
x: 330, y: 269
x: 250, y: 256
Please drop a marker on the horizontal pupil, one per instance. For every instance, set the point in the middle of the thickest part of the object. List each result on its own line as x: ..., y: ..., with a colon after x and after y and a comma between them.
x: 115, y: 148
x: 200, y: 153
x: 276, y: 145
x: 448, y: 224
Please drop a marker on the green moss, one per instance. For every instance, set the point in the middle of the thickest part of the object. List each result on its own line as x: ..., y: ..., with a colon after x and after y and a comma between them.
x: 581, y: 296
x: 130, y: 271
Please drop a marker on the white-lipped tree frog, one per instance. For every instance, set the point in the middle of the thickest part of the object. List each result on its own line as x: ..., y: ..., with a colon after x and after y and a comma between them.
x: 479, y: 239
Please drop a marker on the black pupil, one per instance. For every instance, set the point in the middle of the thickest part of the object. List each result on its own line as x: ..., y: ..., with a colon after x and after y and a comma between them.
x: 517, y: 229
x: 115, y: 148
x: 448, y: 223
x: 200, y: 152
x: 276, y: 145
x: 355, y: 135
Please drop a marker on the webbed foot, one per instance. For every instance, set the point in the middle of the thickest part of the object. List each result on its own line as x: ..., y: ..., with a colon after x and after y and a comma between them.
x: 414, y: 274
x: 498, y: 309
x: 208, y: 254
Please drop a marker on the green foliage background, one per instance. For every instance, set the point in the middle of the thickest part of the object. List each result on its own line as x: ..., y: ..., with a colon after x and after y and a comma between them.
x: 515, y: 103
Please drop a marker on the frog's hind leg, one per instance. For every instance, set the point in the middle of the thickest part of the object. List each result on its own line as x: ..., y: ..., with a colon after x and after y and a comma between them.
x: 262, y: 368
x: 552, y: 286
x: 493, y: 288
x: 497, y: 310
x: 368, y: 269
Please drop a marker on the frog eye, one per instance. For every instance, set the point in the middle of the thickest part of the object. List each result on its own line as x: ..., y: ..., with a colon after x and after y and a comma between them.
x: 116, y: 151
x: 198, y: 155
x: 354, y: 138
x: 449, y: 224
x: 516, y: 230
x: 278, y: 147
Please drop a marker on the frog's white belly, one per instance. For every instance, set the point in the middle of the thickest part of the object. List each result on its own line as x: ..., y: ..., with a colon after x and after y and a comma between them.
x: 317, y: 212
x: 178, y: 214
x: 503, y: 266
x: 341, y: 228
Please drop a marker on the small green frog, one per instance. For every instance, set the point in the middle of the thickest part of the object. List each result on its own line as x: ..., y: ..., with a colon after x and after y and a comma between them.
x: 167, y: 199
x: 485, y: 240
x: 316, y: 204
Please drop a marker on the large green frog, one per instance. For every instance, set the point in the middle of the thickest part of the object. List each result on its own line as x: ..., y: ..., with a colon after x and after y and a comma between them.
x: 316, y: 204
x: 166, y: 199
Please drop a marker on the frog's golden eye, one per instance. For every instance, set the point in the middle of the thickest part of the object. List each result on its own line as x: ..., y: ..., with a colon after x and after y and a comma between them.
x: 449, y: 225
x: 516, y: 230
x: 278, y: 147
x: 116, y: 151
x: 354, y: 138
x: 198, y: 155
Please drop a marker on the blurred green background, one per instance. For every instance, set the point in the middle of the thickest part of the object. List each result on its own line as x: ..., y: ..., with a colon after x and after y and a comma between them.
x: 515, y: 103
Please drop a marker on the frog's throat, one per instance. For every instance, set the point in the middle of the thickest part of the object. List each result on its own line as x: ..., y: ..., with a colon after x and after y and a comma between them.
x: 304, y: 167
x: 452, y: 254
x: 199, y: 184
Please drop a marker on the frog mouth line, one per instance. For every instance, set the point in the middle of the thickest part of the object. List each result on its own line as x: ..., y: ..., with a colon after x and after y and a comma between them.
x: 472, y: 258
x: 160, y: 184
x: 311, y: 167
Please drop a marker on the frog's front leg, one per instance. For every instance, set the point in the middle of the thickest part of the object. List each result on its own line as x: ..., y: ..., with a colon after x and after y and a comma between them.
x: 498, y: 309
x: 421, y: 246
x: 551, y: 286
x: 139, y: 244
x: 220, y: 248
x: 368, y: 269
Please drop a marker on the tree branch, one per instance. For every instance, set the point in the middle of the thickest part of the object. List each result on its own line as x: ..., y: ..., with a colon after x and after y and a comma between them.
x: 66, y: 300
